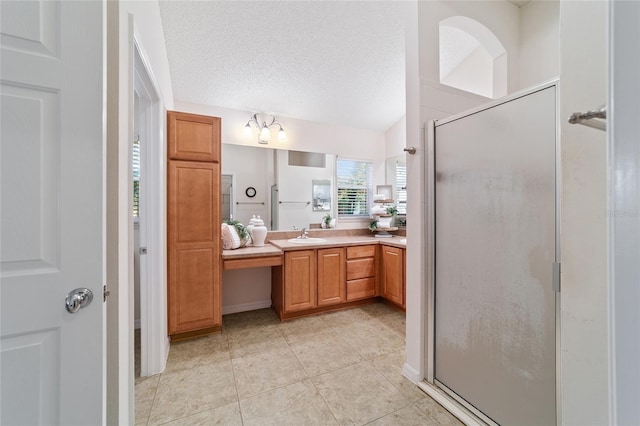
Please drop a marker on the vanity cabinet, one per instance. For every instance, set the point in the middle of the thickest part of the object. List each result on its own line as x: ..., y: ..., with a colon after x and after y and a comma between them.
x: 193, y: 236
x: 331, y: 277
x: 361, y: 272
x: 313, y: 278
x: 392, y: 275
x: 312, y: 281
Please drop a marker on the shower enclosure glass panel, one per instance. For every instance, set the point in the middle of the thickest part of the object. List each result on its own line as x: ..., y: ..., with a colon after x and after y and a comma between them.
x: 495, y: 248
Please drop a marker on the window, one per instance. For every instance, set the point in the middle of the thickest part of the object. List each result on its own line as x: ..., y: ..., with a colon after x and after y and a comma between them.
x: 401, y: 188
x: 354, y: 183
x: 135, y: 160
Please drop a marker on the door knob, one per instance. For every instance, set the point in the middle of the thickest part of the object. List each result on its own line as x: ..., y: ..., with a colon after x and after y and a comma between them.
x: 78, y: 299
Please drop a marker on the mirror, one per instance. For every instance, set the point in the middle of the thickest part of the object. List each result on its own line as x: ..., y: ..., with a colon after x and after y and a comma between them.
x: 292, y: 189
x: 396, y: 177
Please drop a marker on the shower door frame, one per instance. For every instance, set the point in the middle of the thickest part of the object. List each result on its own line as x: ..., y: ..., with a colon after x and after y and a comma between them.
x: 430, y: 385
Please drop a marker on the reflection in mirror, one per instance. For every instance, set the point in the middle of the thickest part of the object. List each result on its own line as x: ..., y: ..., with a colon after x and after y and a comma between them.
x: 282, y: 185
x: 227, y: 197
x: 321, y: 190
x: 295, y: 206
x: 396, y: 176
x: 250, y: 167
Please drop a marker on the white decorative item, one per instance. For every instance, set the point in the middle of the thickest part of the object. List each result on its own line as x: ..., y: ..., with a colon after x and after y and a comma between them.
x: 332, y: 223
x: 378, y: 209
x: 384, y: 222
x: 258, y: 232
x: 252, y: 223
x: 380, y: 212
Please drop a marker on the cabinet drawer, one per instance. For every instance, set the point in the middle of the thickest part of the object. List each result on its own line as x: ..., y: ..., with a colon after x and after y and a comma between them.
x: 361, y: 251
x: 360, y: 289
x: 361, y: 268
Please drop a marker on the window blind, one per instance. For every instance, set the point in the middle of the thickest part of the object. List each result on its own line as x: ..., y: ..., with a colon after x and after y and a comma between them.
x: 401, y: 188
x: 135, y: 160
x: 354, y: 184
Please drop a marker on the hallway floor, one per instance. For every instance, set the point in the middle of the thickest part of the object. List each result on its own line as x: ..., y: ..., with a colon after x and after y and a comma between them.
x: 337, y: 368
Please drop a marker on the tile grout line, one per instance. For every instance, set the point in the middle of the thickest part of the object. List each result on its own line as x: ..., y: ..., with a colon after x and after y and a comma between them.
x: 235, y: 383
x: 325, y: 401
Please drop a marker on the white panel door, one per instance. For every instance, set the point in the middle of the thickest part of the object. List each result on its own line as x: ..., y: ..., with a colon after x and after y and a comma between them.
x: 51, y: 211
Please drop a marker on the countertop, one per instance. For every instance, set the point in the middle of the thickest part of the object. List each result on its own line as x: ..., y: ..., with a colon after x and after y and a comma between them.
x: 277, y: 247
x: 266, y: 250
x: 342, y: 242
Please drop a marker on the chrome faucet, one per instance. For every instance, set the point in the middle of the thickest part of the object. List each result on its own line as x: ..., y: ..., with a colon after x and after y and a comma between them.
x: 304, y: 233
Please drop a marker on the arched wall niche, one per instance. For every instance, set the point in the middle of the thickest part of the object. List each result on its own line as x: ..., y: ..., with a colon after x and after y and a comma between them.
x: 472, y: 58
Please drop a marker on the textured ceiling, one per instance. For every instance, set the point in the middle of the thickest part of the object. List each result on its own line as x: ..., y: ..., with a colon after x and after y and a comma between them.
x: 326, y: 61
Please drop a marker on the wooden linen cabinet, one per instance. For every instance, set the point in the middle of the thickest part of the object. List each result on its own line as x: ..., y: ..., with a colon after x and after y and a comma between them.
x: 193, y: 218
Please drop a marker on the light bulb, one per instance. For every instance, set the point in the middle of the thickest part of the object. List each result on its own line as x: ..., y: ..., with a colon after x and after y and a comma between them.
x: 265, y: 134
x: 282, y: 136
x: 247, y: 130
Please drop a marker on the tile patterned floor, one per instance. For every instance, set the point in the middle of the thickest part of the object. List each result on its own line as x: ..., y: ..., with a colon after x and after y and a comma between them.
x: 336, y: 368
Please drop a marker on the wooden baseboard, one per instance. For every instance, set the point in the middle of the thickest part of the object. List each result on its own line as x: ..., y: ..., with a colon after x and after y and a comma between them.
x: 196, y: 333
x: 292, y: 315
x: 393, y: 305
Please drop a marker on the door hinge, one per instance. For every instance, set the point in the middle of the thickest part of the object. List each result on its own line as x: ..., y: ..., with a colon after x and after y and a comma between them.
x: 105, y: 293
x: 556, y: 277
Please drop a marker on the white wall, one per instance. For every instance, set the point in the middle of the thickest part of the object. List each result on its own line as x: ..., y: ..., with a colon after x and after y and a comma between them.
x: 246, y: 290
x: 123, y: 19
x: 501, y: 17
x: 396, y: 138
x: 474, y: 73
x: 539, y: 43
x: 584, y: 322
x: 150, y: 35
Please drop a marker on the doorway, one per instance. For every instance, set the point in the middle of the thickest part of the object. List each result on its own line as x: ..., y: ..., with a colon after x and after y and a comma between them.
x: 148, y: 181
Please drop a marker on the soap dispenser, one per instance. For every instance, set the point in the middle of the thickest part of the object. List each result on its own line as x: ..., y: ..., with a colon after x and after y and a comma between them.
x: 258, y: 232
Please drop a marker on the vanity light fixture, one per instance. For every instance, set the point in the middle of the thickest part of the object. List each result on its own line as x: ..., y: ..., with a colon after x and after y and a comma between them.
x: 265, y: 134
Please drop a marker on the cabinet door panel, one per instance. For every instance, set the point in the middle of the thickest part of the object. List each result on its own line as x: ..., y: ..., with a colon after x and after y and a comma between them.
x: 193, y: 217
x: 194, y: 199
x: 193, y: 137
x: 361, y: 289
x: 331, y: 277
x: 361, y: 268
x: 361, y: 251
x: 192, y: 296
x: 300, y: 284
x: 392, y: 275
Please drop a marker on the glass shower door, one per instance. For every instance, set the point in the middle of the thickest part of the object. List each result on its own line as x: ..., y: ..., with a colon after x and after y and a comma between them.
x: 495, y: 251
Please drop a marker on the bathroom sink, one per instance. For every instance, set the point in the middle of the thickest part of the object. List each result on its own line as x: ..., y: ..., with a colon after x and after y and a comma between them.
x: 307, y: 240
